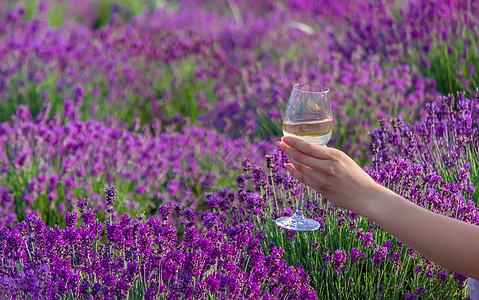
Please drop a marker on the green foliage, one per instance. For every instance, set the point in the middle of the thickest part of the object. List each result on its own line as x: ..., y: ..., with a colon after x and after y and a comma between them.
x: 178, y: 80
x: 389, y: 279
x: 453, y: 63
x: 52, y: 213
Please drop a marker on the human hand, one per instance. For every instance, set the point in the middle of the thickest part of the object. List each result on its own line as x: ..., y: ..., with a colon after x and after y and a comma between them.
x: 448, y: 242
x: 332, y: 173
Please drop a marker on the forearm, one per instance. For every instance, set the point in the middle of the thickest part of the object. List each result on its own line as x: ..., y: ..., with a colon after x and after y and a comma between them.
x: 448, y: 242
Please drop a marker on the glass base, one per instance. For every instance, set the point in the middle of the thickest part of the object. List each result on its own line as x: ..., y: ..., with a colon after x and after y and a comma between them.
x: 297, y: 223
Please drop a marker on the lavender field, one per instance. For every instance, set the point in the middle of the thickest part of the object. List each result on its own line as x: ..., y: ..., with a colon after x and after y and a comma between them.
x: 138, y: 158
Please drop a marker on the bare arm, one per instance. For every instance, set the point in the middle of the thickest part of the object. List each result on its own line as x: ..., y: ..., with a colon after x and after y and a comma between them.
x: 448, y: 242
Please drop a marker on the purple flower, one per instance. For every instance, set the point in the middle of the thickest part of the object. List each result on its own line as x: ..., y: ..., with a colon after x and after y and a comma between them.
x: 339, y: 261
x: 141, y: 190
x: 380, y: 255
x: 173, y: 187
x: 110, y: 199
x: 368, y: 240
x: 212, y: 283
x: 418, y: 269
x: 52, y: 196
x: 79, y: 94
x: 355, y: 255
x: 326, y: 256
x: 70, y: 219
x: 442, y: 276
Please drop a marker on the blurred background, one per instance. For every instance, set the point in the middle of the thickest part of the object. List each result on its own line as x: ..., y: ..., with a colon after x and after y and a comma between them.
x: 177, y: 105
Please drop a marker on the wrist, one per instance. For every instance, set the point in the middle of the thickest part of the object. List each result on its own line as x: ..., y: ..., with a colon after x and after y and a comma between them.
x: 376, y: 203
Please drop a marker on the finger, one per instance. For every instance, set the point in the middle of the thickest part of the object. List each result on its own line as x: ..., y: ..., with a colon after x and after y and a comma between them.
x: 322, y: 175
x: 318, y: 180
x: 298, y: 175
x: 311, y: 149
x: 303, y: 158
x: 303, y: 169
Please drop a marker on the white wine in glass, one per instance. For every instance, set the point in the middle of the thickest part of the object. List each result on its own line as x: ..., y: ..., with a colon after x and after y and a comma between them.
x: 316, y: 132
x: 308, y: 117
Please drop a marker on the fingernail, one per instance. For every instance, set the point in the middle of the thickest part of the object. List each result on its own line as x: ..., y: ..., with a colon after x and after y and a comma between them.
x: 278, y: 143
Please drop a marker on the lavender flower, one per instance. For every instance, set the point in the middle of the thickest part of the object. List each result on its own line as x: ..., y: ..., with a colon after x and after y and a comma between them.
x: 340, y: 249
x: 339, y: 261
x: 70, y: 156
x: 110, y: 199
x: 58, y: 262
x: 221, y: 54
x: 163, y: 71
x: 355, y: 255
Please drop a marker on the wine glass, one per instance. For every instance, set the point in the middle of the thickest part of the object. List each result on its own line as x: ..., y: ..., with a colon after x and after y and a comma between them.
x: 308, y: 117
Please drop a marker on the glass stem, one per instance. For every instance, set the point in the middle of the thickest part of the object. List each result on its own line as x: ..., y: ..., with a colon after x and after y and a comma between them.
x: 299, y: 209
